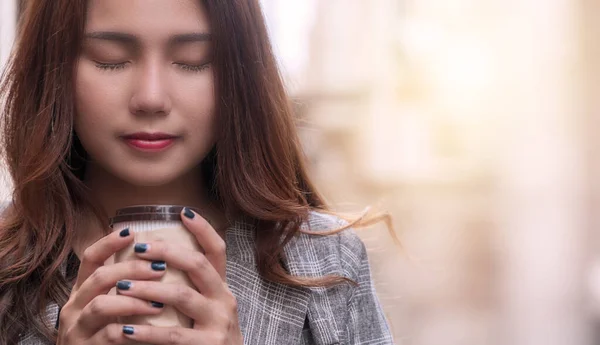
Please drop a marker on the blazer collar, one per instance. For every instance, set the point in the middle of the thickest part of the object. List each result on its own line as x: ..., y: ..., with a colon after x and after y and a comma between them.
x: 269, y: 313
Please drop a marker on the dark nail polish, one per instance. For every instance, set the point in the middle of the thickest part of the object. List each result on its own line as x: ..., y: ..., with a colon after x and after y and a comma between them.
x: 157, y: 304
x: 124, y: 232
x: 128, y: 330
x: 159, y: 265
x: 123, y: 285
x: 140, y: 247
x: 188, y: 213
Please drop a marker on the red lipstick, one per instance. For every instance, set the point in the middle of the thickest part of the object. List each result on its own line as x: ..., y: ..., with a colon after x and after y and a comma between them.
x: 149, y: 142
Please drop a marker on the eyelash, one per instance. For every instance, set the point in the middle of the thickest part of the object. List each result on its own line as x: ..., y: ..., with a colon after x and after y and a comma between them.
x: 187, y: 68
x: 110, y: 66
x: 193, y: 68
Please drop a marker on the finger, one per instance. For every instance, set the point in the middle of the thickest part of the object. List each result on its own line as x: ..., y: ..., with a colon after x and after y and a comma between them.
x: 208, y: 238
x: 172, y: 335
x: 104, y: 309
x: 111, y: 334
x: 184, y: 298
x: 200, y: 271
x: 105, y: 278
x: 96, y: 254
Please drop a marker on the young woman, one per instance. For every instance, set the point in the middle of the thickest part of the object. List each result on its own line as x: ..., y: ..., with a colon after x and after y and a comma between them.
x: 112, y: 103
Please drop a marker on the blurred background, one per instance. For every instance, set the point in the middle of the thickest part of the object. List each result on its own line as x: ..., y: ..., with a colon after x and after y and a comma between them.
x: 473, y: 122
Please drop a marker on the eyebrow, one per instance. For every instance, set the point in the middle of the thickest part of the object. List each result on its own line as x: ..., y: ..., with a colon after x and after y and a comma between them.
x: 135, y: 40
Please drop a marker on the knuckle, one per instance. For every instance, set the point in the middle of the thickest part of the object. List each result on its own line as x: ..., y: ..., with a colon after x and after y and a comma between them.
x: 184, y: 295
x: 220, y: 247
x: 97, y: 306
x: 112, y: 334
x: 63, y: 319
x: 200, y: 261
x: 219, y: 338
x: 88, y: 255
x: 65, y: 314
x: 221, y: 319
x: 140, y: 266
x: 231, y: 325
x: 233, y: 307
x: 97, y: 277
x: 175, y: 337
x: 160, y: 247
x: 231, y: 301
x: 69, y: 335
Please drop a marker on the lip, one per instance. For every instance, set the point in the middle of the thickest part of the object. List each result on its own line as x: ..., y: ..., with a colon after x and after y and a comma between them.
x: 149, y: 142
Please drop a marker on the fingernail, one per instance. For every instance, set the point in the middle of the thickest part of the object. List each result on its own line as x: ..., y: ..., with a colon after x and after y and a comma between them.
x: 188, y: 213
x: 124, y: 232
x: 128, y: 330
x: 157, y: 304
x: 141, y: 247
x: 123, y: 285
x: 159, y: 265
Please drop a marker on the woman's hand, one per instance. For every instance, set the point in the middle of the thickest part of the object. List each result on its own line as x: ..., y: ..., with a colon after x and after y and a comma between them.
x: 213, y: 307
x: 88, y: 316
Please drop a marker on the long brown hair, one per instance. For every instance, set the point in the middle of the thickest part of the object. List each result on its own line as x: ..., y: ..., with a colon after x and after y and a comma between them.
x: 256, y: 170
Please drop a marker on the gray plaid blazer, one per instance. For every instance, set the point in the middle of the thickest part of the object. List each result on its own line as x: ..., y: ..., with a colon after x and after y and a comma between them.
x: 275, y: 314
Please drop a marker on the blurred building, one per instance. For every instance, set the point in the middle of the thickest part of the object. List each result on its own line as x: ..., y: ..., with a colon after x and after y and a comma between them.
x: 374, y: 138
x: 466, y: 120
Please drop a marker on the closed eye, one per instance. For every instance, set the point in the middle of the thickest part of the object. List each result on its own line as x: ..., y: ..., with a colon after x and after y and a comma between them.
x: 193, y: 68
x: 110, y: 66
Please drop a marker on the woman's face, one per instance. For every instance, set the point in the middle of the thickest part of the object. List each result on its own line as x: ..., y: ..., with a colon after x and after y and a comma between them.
x: 144, y: 89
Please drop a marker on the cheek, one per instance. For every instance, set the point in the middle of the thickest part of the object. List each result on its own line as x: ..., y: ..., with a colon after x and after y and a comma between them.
x: 92, y: 104
x: 197, y: 92
x: 96, y: 97
x: 197, y: 102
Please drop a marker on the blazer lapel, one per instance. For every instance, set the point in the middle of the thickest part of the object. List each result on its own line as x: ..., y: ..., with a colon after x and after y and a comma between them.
x: 269, y: 313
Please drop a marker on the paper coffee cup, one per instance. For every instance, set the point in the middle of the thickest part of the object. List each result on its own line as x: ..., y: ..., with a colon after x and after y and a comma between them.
x: 156, y: 223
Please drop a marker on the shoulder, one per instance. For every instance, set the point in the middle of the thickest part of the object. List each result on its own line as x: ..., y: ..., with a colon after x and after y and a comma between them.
x: 340, y: 253
x: 346, y: 240
x: 347, y: 313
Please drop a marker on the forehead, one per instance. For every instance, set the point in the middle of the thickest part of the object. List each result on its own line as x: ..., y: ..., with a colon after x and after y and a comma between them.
x: 155, y: 18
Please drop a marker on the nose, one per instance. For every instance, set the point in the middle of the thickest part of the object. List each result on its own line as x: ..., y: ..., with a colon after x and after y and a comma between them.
x: 150, y: 94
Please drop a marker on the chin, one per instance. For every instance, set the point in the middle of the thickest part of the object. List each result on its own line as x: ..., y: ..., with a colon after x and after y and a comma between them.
x: 138, y: 174
x: 149, y: 181
x: 148, y: 178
